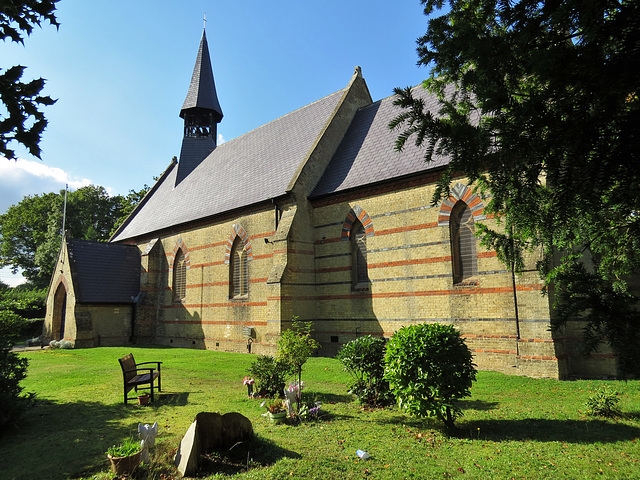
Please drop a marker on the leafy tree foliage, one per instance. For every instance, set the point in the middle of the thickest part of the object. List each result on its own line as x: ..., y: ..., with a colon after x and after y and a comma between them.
x: 17, y: 307
x: 363, y: 358
x: 129, y: 203
x: 25, y: 300
x: 20, y: 119
x: 296, y: 345
x: 539, y: 107
x: 429, y: 367
x: 13, y: 369
x: 30, y: 235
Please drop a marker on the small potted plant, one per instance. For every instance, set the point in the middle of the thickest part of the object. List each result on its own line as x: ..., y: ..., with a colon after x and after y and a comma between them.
x: 248, y: 381
x: 124, y: 458
x: 143, y: 398
x: 276, y: 410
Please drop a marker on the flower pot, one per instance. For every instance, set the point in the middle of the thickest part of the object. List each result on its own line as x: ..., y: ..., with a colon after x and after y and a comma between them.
x: 124, y: 465
x: 143, y: 399
x: 279, y: 417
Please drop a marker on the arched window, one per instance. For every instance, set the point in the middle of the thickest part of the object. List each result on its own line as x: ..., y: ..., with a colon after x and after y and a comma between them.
x: 463, y: 243
x: 238, y: 270
x: 179, y: 276
x: 358, y: 239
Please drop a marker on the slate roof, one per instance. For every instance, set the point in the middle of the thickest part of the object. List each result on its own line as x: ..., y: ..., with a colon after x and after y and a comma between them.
x: 367, y: 152
x: 104, y: 272
x: 249, y: 169
x: 202, y: 90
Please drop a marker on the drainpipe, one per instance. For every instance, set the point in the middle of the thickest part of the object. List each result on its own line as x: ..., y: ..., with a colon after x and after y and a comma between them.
x: 515, y: 298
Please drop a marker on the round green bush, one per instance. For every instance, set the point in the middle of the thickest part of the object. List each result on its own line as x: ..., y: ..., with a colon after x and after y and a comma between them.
x: 363, y: 358
x: 429, y: 367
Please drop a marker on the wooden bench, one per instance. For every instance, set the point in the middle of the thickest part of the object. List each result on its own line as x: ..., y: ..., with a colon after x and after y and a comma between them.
x: 133, y: 376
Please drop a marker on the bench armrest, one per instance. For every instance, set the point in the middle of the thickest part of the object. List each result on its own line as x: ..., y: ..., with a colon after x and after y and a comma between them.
x: 135, y: 370
x: 146, y: 363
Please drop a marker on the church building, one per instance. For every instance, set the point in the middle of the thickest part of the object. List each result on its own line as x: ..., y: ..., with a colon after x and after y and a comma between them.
x: 314, y: 215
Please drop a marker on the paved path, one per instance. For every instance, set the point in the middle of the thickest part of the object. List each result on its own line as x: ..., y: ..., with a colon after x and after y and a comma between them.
x: 24, y: 348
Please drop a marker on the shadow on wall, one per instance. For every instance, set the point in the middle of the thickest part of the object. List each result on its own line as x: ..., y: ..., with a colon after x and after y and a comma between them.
x: 345, y: 291
x: 177, y: 327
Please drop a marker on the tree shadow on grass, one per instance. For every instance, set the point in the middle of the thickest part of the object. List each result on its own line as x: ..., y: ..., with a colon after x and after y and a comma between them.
x: 174, y: 399
x: 326, y: 397
x: 63, y: 440
x: 259, y: 452
x: 546, y: 430
x: 479, y: 405
x: 631, y: 415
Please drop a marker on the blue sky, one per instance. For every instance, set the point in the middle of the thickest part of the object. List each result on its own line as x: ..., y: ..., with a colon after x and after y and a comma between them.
x: 121, y: 69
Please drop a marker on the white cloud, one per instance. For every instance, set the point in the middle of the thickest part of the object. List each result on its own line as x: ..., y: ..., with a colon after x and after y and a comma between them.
x: 21, y: 177
x: 221, y: 139
x: 11, y: 279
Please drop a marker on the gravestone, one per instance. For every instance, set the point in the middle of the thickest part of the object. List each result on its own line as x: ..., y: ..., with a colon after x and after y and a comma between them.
x: 211, y: 432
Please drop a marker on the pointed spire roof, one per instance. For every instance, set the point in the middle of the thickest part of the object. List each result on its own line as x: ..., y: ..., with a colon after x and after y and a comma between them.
x: 202, y: 90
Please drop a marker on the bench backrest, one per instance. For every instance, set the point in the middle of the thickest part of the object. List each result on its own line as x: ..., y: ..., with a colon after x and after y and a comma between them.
x: 128, y: 363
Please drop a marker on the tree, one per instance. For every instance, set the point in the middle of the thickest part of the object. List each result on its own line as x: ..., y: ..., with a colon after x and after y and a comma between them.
x: 295, y: 346
x: 23, y: 229
x: 30, y: 232
x: 129, y: 203
x: 429, y: 368
x: 21, y: 121
x: 538, y: 107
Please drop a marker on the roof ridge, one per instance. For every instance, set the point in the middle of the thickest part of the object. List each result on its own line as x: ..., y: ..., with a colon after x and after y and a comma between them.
x: 281, y: 117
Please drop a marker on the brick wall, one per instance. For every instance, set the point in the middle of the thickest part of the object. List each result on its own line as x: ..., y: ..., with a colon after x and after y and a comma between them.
x: 409, y: 260
x: 207, y: 317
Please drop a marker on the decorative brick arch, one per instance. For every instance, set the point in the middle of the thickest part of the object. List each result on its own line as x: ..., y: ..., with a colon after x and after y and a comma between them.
x: 238, y: 231
x: 180, y: 245
x: 61, y: 280
x: 465, y: 194
x: 359, y: 214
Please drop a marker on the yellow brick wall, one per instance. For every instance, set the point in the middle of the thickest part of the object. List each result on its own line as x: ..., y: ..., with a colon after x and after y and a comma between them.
x: 303, y: 269
x: 207, y: 317
x: 409, y: 260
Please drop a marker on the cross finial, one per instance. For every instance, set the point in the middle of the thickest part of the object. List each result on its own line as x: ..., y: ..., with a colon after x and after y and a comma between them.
x: 205, y: 20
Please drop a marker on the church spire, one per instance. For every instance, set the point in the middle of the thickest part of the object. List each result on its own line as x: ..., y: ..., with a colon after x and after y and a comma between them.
x: 201, y: 113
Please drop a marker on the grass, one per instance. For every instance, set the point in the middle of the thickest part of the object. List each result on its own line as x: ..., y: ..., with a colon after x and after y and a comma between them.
x: 513, y: 427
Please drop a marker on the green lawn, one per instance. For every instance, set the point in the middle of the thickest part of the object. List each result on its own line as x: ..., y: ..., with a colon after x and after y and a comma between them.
x: 513, y: 427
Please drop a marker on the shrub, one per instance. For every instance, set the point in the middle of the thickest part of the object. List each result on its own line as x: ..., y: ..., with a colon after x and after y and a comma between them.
x: 29, y: 303
x: 269, y: 374
x: 604, y: 402
x: 13, y: 370
x: 429, y: 367
x: 363, y: 358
